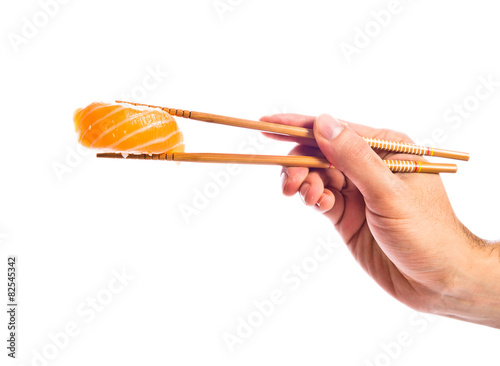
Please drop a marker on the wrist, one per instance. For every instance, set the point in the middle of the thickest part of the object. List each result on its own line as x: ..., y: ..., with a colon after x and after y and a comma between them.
x: 474, y: 293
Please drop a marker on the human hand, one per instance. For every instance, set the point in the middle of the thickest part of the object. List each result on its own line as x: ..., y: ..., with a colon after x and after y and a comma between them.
x: 401, y: 227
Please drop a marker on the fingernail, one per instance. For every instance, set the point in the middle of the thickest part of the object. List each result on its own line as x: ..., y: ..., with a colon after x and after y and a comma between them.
x: 303, y: 191
x: 284, y: 178
x: 329, y: 127
x: 317, y: 206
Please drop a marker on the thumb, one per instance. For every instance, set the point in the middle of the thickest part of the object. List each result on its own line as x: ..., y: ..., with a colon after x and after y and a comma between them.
x: 349, y: 153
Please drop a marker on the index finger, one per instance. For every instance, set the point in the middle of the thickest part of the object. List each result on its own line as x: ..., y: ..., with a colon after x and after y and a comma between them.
x: 305, y: 121
x: 291, y: 119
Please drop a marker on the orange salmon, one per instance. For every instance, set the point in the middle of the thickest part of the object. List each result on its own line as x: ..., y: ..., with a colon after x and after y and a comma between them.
x: 129, y: 129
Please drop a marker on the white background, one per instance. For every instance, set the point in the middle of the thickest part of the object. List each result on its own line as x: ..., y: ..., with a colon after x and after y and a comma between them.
x: 195, y: 277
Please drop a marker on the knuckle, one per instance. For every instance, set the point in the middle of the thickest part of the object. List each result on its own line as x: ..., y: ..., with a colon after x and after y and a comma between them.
x: 356, y: 148
x: 406, y: 138
x: 387, y: 134
x: 296, y: 177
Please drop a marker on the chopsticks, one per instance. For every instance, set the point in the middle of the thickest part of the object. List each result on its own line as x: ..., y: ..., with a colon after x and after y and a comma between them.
x: 397, y: 166
x: 399, y: 147
x: 402, y: 166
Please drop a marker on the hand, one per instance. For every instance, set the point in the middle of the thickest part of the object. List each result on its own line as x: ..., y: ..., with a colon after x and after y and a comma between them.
x: 401, y: 227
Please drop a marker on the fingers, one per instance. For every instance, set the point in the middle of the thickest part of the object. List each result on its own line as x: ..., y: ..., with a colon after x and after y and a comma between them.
x: 311, y: 189
x: 362, y: 130
x: 313, y: 192
x: 308, y: 122
x: 341, y: 144
x: 291, y: 120
x: 293, y: 177
x: 326, y: 202
x: 305, y: 121
x: 300, y: 140
x: 349, y: 153
x: 336, y: 212
x: 310, y: 183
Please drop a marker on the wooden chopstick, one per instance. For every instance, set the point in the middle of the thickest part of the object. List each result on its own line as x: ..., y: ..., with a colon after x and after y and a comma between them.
x: 399, y: 147
x: 397, y: 166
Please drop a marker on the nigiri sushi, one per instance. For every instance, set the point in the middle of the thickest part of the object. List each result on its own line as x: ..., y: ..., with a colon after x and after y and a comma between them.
x: 128, y: 129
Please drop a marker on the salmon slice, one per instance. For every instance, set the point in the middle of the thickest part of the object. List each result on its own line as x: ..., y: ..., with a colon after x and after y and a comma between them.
x: 129, y: 129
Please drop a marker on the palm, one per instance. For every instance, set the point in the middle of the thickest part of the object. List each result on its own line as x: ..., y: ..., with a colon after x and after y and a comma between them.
x: 405, y: 268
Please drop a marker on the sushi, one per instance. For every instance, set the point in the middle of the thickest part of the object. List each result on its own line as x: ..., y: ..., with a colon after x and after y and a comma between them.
x: 127, y: 129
